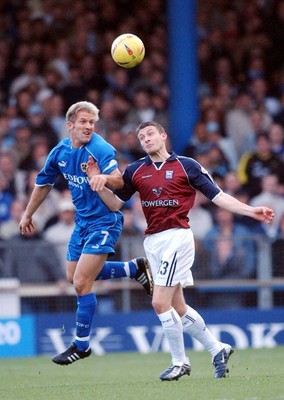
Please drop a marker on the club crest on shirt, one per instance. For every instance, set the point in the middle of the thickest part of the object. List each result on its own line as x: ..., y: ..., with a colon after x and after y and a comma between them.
x: 83, y: 166
x: 169, y: 174
x: 157, y: 191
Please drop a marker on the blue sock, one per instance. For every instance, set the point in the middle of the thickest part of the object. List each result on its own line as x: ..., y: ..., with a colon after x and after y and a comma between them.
x: 117, y: 269
x: 86, y: 307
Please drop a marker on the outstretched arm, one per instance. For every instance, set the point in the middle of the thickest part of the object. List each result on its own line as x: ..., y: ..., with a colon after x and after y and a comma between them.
x: 38, y: 195
x: 110, y: 199
x: 98, y: 184
x: 262, y: 213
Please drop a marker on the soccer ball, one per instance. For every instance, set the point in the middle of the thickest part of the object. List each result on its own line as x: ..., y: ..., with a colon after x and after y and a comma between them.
x: 127, y: 50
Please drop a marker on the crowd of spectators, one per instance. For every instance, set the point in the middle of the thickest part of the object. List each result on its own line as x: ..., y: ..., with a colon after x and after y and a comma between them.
x: 54, y: 53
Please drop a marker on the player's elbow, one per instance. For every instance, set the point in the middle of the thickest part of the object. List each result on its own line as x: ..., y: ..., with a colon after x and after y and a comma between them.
x: 117, y: 184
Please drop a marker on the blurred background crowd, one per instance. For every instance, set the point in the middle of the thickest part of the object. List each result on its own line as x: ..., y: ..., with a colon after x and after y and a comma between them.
x: 57, y: 52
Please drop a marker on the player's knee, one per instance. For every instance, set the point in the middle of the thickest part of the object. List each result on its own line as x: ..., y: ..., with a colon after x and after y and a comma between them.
x: 157, y: 305
x: 82, y: 285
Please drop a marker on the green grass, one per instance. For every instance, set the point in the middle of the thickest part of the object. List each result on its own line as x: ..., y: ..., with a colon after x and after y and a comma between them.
x: 254, y: 375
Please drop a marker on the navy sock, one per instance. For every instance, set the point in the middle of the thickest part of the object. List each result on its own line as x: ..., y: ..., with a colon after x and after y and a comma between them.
x: 86, y: 307
x: 117, y: 269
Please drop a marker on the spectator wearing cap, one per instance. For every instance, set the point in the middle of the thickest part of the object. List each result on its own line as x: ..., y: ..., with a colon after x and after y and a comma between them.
x: 59, y: 233
x: 40, y: 126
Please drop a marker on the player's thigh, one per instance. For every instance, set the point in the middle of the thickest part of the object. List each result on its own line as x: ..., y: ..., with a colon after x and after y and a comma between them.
x: 70, y: 270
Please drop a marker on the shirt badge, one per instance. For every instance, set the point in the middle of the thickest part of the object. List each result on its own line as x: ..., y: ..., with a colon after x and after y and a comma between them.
x: 83, y: 166
x: 169, y: 174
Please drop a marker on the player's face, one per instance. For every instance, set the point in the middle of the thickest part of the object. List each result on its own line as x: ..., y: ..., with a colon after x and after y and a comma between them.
x: 151, y: 140
x: 82, y: 128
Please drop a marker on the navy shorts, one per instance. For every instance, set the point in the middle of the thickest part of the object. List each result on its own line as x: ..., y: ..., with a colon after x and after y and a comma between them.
x: 95, y: 236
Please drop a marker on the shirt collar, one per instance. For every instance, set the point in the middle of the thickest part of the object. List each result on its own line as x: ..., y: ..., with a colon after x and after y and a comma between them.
x: 172, y: 157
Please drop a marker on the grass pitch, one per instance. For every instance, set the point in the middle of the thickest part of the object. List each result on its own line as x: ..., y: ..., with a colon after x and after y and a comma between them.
x: 254, y: 375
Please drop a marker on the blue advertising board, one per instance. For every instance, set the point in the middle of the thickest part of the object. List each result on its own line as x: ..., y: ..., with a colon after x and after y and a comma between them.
x: 17, y: 337
x: 51, y: 333
x: 142, y: 332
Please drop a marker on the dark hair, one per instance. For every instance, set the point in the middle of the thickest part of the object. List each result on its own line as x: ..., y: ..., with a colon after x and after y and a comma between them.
x: 149, y: 123
x: 262, y: 135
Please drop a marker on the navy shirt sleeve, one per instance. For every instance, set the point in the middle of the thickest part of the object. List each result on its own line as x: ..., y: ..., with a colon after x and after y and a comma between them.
x: 199, y: 178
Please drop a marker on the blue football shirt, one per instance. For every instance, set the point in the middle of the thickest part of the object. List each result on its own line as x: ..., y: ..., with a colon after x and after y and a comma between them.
x: 71, y: 163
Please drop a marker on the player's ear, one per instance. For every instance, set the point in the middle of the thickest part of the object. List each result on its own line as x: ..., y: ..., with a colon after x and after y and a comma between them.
x: 69, y: 124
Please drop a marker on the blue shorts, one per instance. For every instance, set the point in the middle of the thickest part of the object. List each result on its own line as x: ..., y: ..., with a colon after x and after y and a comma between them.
x: 95, y: 236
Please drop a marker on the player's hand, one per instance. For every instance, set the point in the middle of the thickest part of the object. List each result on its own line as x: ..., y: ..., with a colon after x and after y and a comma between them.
x: 92, y: 167
x: 98, y: 182
x: 263, y: 214
x: 26, y: 225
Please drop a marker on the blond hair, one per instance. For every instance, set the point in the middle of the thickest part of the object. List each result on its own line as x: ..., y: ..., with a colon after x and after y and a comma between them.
x: 82, y: 105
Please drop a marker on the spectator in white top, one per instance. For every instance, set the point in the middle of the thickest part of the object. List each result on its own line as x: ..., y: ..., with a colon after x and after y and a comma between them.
x: 271, y: 197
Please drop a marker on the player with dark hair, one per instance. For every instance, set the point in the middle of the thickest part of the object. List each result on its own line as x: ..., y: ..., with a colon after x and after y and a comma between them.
x: 167, y: 185
x: 97, y: 228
